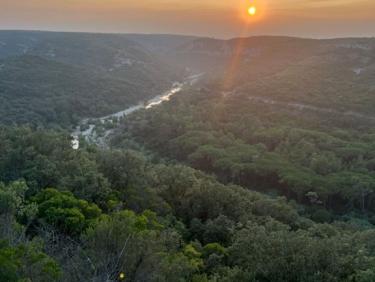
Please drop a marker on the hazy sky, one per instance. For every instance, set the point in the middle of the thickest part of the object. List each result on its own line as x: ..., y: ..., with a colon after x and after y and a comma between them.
x: 216, y: 18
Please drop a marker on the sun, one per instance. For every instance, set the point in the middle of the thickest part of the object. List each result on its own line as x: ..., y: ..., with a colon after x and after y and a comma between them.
x: 252, y: 10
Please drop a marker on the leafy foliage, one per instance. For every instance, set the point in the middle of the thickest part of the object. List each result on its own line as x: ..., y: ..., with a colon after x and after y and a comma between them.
x: 64, y: 211
x: 160, y: 222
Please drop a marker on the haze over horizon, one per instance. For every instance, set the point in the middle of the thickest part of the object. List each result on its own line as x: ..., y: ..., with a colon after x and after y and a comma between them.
x: 223, y: 19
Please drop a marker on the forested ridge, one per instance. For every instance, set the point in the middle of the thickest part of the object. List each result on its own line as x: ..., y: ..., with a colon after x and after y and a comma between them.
x: 223, y: 182
x: 56, y: 79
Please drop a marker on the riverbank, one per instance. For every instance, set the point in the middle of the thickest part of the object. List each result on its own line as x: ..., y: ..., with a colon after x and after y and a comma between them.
x: 97, y: 130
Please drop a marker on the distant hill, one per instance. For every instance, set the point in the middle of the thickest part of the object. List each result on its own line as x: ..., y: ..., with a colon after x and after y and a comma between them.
x: 253, y: 51
x: 61, y: 77
x: 161, y: 43
x: 334, y: 73
x: 39, y: 91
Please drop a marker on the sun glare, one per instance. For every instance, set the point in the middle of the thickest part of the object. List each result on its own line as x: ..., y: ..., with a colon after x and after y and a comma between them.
x: 252, y: 10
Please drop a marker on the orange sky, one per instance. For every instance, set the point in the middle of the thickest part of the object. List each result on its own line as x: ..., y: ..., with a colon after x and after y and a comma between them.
x: 219, y: 18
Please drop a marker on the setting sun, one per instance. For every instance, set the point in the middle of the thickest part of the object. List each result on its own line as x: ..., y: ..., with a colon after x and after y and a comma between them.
x: 252, y: 10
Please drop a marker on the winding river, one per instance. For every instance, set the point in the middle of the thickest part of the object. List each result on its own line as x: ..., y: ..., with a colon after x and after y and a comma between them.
x: 87, y: 128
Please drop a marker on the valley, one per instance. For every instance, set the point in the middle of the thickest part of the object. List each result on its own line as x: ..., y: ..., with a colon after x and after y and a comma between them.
x: 154, y: 157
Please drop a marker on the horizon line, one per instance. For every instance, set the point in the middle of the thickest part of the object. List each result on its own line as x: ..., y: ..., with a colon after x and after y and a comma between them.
x: 186, y: 35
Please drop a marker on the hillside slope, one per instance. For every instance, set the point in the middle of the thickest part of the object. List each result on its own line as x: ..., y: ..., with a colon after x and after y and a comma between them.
x: 334, y: 73
x: 61, y: 77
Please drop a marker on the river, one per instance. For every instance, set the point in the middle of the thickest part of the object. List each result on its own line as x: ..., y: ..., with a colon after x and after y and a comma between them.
x: 88, y: 128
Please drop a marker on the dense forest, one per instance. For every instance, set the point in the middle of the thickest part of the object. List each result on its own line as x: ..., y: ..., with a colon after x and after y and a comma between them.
x: 241, y: 177
x: 321, y: 160
x: 90, y: 214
